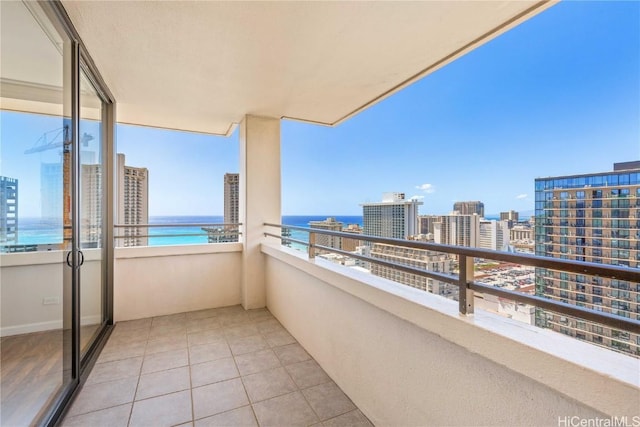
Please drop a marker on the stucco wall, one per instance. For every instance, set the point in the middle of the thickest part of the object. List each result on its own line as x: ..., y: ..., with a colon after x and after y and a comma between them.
x: 157, y: 281
x: 406, y: 357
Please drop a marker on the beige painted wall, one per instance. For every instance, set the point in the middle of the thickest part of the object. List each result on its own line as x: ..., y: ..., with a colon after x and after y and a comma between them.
x: 434, y: 367
x: 260, y: 199
x: 156, y: 281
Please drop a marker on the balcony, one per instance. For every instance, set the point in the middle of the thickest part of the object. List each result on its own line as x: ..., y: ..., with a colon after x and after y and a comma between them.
x: 170, y: 304
x: 252, y: 332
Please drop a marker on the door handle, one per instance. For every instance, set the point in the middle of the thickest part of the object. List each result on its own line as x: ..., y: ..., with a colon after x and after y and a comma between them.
x: 68, y: 262
x: 81, y: 258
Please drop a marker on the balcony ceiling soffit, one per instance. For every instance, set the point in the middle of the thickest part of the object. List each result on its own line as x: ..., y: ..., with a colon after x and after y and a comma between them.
x: 202, y: 66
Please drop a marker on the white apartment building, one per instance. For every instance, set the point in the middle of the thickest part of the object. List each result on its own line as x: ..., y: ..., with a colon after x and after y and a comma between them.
x: 393, y: 217
x: 458, y: 230
x: 494, y: 235
x: 91, y: 199
x: 419, y: 258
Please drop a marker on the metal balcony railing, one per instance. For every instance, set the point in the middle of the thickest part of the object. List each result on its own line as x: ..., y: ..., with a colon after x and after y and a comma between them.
x: 214, y: 232
x: 465, y: 278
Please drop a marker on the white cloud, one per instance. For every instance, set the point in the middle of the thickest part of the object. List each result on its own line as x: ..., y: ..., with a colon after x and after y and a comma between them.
x: 416, y: 198
x: 521, y: 196
x: 427, y: 188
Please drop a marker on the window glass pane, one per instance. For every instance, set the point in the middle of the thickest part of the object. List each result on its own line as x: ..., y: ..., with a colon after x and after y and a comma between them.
x: 92, y: 209
x: 35, y: 159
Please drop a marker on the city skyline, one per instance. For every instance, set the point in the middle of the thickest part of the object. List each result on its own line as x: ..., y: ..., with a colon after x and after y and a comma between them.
x: 543, y: 99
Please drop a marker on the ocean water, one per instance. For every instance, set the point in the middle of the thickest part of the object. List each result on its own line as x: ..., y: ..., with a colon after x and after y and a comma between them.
x: 37, y: 231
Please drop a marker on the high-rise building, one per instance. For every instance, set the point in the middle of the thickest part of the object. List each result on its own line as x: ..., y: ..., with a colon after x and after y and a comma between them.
x: 351, y: 244
x: 594, y: 218
x: 419, y: 258
x: 458, y: 230
x: 231, y: 198
x: 228, y: 233
x: 493, y: 235
x: 469, y: 208
x: 326, y: 240
x: 91, y: 211
x: 133, y: 206
x: 8, y: 211
x: 393, y: 217
x: 509, y: 216
x: 426, y: 223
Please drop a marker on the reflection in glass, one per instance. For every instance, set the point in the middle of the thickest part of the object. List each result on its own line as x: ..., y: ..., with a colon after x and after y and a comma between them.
x: 36, y: 318
x: 91, y: 213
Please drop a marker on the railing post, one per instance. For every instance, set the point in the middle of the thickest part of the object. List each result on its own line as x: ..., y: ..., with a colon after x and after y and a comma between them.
x: 465, y: 276
x: 312, y: 245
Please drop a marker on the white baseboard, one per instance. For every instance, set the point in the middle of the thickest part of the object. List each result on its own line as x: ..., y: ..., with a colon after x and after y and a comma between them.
x: 29, y: 328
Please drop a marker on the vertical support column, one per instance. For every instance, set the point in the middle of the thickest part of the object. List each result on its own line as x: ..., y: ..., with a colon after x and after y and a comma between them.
x: 259, y: 200
x: 465, y: 295
x: 312, y: 245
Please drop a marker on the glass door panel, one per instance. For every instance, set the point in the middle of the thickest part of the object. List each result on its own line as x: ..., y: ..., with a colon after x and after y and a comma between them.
x: 92, y: 210
x: 35, y: 286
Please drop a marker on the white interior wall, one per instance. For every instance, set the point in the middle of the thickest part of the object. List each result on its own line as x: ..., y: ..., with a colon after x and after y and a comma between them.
x: 31, y: 286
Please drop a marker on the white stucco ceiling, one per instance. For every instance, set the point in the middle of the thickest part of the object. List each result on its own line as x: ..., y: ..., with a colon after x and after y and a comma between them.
x: 202, y: 66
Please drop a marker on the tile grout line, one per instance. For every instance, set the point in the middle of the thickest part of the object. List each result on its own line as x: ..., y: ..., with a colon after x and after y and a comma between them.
x: 193, y: 412
x: 244, y: 387
x: 300, y: 389
x: 246, y: 322
x: 251, y: 404
x: 135, y: 392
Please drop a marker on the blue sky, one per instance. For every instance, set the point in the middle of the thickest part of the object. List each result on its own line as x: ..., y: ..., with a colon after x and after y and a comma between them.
x: 559, y: 94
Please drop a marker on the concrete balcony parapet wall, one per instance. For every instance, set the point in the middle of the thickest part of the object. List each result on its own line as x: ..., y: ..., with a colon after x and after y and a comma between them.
x: 407, y: 357
x: 156, y: 281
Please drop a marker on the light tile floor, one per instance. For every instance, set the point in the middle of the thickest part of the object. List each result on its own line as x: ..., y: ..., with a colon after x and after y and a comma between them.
x: 216, y: 367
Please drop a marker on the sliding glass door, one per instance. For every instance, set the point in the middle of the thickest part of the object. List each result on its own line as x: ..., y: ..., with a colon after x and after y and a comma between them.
x: 35, y: 234
x: 54, y: 209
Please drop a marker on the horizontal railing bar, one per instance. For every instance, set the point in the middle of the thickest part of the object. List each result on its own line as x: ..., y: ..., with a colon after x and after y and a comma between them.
x: 583, y: 313
x: 287, y: 239
x: 431, y: 274
x: 617, y: 322
x: 134, y: 236
x: 580, y: 267
x: 176, y: 225
x: 443, y: 277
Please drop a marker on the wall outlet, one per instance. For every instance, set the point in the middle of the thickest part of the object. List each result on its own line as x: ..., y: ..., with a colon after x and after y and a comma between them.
x: 50, y: 300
